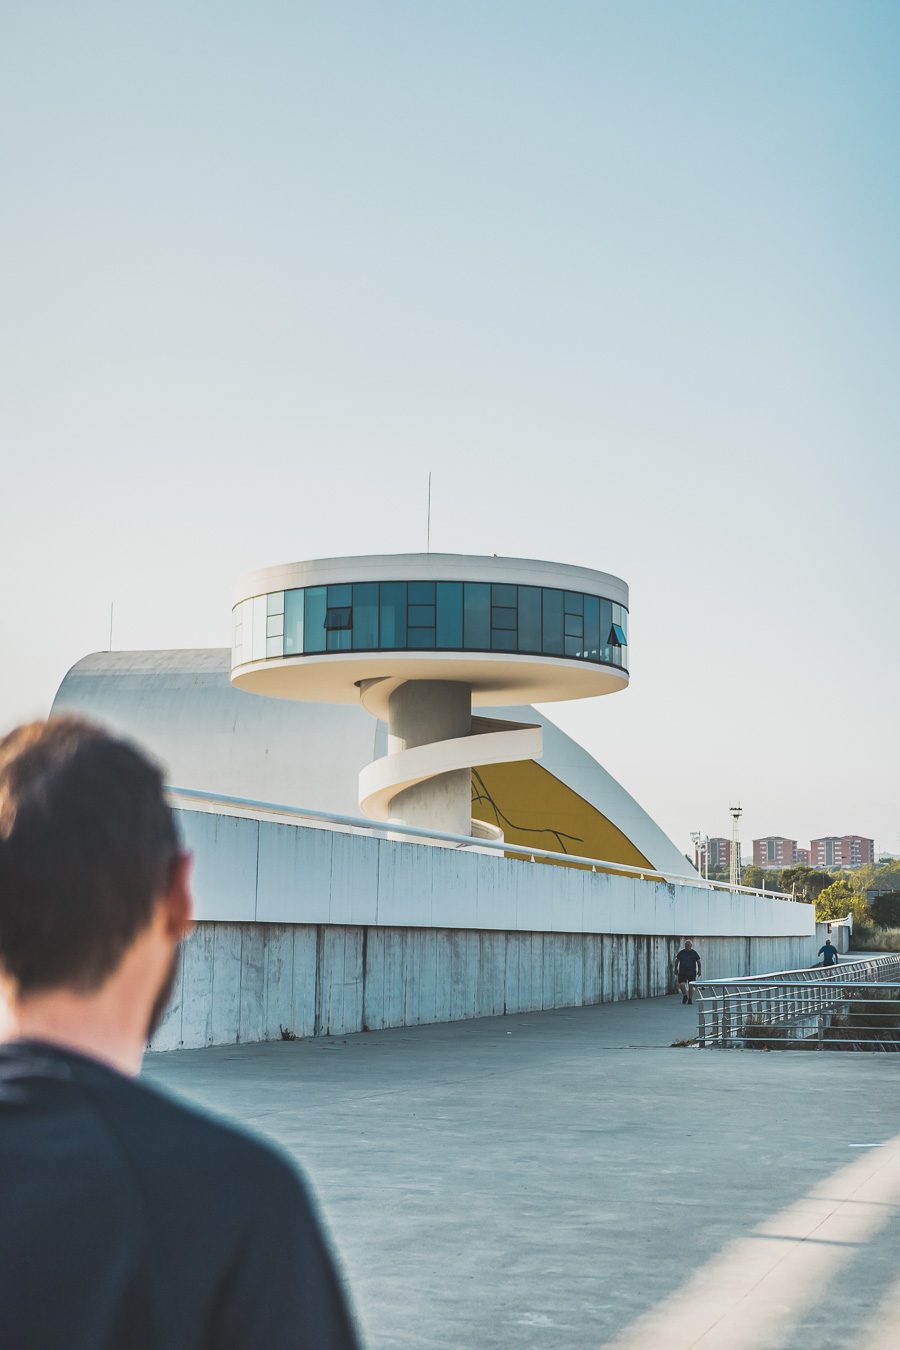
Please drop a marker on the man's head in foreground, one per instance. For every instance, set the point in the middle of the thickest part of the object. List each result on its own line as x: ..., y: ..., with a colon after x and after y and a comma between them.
x: 94, y: 896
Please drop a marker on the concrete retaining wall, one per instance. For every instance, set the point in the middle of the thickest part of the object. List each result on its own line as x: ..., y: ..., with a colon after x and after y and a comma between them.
x: 326, y: 932
x: 259, y: 871
x: 243, y: 981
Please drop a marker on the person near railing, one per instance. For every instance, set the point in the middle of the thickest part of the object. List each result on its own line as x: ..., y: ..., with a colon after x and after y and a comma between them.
x: 687, y: 967
x: 829, y: 953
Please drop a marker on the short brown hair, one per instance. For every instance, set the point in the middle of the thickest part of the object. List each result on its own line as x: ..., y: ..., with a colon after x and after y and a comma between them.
x: 87, y: 842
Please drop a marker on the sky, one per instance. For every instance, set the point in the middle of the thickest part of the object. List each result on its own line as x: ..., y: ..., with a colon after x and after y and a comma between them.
x: 624, y: 277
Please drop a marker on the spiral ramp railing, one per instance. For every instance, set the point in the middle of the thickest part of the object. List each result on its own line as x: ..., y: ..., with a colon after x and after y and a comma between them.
x: 490, y: 740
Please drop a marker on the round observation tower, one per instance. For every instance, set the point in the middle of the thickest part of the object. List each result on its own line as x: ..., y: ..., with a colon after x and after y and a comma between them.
x: 419, y: 639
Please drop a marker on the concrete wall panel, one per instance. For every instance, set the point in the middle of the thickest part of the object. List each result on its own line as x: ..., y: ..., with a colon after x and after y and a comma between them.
x: 279, y: 979
x: 254, y: 939
x: 462, y: 982
x: 394, y: 989
x: 224, y: 877
x: 354, y: 879
x: 168, y: 1033
x: 198, y: 972
x: 294, y: 881
x: 373, y: 986
x: 225, y: 1015
x: 304, y: 999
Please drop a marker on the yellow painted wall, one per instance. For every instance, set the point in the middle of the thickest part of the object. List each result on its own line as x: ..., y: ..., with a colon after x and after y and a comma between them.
x: 532, y: 806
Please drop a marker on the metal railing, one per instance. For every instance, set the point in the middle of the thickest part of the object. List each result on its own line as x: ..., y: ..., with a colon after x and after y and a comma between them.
x: 219, y: 801
x: 826, y: 1007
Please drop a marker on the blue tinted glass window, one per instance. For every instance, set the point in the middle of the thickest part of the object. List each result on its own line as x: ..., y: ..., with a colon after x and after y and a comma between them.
x: 293, y: 623
x: 553, y: 623
x: 574, y: 602
x: 529, y: 619
x: 338, y: 618
x: 338, y: 639
x: 605, y: 625
x: 314, y: 619
x: 616, y: 636
x: 339, y: 596
x: 421, y: 616
x: 574, y: 625
x: 503, y: 595
x: 574, y: 646
x: 503, y: 618
x: 421, y: 637
x: 365, y: 616
x: 449, y: 614
x: 477, y: 615
x: 421, y: 592
x: 392, y: 614
x: 592, y: 627
x: 502, y: 640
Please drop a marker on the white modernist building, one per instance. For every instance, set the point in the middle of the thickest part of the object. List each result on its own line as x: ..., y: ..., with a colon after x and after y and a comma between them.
x: 420, y: 639
x: 349, y: 688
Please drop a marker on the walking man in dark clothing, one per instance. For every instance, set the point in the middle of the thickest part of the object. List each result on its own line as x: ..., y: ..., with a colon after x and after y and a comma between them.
x: 128, y: 1221
x: 687, y: 968
x: 829, y: 953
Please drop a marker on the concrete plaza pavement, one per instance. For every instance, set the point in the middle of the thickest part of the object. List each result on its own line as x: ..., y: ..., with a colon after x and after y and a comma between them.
x: 567, y: 1179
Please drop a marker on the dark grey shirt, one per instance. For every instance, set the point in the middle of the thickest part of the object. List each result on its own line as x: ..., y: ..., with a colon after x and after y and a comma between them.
x: 687, y: 963
x: 131, y: 1222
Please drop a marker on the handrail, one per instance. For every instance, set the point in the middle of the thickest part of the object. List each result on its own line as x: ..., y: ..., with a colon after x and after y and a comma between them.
x: 463, y: 840
x: 806, y: 973
x: 762, y: 1008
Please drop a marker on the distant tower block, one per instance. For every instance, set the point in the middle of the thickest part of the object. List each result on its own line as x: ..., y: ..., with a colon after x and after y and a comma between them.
x: 419, y: 639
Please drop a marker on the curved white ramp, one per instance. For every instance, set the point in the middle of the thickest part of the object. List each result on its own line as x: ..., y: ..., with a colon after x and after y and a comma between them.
x: 491, y: 741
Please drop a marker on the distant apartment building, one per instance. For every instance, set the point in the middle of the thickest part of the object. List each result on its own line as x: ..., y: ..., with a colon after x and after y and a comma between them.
x: 719, y: 853
x: 775, y: 851
x: 846, y: 850
x: 803, y: 856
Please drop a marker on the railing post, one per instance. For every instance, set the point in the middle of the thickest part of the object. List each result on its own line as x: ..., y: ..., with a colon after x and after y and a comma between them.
x: 821, y: 1037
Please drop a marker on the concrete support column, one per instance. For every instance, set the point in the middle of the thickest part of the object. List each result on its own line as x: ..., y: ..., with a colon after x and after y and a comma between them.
x: 419, y: 713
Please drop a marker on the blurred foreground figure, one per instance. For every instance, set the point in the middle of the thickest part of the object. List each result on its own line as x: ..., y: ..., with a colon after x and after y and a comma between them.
x: 127, y: 1221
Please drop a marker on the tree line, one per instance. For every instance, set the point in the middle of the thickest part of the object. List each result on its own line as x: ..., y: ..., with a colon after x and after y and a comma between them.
x: 835, y: 893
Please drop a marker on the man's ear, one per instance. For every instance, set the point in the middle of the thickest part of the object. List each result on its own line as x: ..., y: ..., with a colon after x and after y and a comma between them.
x: 176, y: 901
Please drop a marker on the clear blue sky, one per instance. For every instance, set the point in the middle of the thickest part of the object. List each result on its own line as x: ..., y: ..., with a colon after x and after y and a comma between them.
x: 624, y: 276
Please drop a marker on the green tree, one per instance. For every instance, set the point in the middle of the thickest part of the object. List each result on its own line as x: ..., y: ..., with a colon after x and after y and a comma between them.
x: 840, y: 899
x: 805, y: 882
x: 877, y: 876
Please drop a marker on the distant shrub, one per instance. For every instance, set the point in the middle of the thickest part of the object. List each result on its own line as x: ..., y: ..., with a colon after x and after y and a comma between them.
x: 886, y: 909
x: 877, y: 940
x: 758, y: 1034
